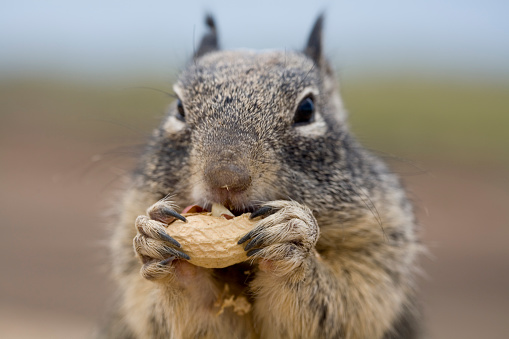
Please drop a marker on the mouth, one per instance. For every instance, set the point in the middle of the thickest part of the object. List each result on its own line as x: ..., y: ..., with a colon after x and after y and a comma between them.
x: 236, y: 209
x: 237, y: 212
x: 237, y: 202
x: 208, y: 208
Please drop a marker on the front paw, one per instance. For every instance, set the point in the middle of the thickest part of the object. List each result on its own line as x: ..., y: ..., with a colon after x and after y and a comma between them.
x: 155, y: 248
x: 284, y: 239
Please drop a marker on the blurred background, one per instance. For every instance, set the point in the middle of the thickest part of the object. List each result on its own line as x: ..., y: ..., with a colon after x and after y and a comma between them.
x: 426, y: 84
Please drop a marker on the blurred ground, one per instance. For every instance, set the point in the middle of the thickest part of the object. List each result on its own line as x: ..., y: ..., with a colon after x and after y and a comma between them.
x: 62, y: 150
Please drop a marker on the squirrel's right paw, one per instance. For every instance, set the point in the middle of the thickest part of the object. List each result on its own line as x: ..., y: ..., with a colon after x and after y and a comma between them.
x: 156, y: 249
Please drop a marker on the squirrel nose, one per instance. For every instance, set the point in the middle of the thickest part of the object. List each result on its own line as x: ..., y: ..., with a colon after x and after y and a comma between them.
x: 228, y: 176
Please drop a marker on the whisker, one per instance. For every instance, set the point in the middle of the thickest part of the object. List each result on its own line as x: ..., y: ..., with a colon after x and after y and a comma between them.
x: 153, y: 89
x: 122, y: 174
x: 131, y: 128
x: 307, y: 74
x: 99, y: 160
x: 389, y: 156
x: 366, y: 200
x: 194, y: 46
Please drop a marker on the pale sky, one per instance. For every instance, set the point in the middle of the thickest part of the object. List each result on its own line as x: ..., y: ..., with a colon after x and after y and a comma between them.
x: 109, y: 37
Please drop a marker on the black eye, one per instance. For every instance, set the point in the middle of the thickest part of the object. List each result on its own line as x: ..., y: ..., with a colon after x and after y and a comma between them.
x: 305, y: 112
x: 181, y: 113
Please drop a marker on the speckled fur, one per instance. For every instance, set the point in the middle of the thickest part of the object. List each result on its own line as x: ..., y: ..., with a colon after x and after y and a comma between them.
x: 338, y: 251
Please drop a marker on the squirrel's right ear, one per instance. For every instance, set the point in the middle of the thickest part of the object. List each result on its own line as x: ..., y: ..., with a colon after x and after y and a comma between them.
x: 314, y: 46
x: 209, y: 41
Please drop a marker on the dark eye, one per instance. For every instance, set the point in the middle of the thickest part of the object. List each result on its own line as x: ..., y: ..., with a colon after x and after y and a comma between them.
x: 305, y: 112
x: 181, y: 113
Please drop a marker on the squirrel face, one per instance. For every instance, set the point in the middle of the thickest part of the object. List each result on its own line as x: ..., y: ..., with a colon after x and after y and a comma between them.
x: 254, y: 126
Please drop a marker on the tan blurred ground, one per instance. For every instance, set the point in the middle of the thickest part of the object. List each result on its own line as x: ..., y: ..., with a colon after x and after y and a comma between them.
x: 58, y: 176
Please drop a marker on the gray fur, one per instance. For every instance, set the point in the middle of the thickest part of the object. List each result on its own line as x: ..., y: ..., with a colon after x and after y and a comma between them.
x: 334, y: 257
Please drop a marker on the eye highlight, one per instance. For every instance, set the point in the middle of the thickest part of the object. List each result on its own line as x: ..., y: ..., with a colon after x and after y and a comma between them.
x: 181, y: 115
x: 305, y: 112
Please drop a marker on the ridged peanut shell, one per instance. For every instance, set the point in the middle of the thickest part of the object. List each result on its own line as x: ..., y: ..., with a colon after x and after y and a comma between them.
x: 212, y: 241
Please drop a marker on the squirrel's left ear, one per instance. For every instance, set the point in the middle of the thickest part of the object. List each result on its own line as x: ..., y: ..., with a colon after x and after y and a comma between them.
x: 209, y: 41
x: 314, y: 45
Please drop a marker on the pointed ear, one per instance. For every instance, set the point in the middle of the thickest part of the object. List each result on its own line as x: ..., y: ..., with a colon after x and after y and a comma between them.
x: 314, y: 48
x: 209, y: 41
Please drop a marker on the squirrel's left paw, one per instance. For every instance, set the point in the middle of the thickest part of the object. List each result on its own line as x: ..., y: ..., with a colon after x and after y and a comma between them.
x: 284, y: 237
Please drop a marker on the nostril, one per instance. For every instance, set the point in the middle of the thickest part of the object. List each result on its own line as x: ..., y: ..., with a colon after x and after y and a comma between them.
x: 228, y: 176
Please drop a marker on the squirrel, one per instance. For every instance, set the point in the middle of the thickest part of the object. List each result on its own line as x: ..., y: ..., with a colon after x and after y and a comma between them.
x: 334, y: 252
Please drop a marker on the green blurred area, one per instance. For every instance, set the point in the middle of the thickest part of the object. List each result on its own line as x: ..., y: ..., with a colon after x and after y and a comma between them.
x: 464, y: 121
x: 409, y: 117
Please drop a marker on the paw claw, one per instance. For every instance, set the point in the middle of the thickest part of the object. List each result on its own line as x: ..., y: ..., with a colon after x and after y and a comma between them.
x: 178, y: 254
x: 264, y: 210
x: 183, y: 255
x: 253, y: 252
x: 167, y: 261
x: 173, y: 213
x: 255, y: 242
x: 161, y: 212
x: 169, y: 239
x: 245, y: 238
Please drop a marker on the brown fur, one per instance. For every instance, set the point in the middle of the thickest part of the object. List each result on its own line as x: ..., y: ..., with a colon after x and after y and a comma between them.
x: 336, y: 248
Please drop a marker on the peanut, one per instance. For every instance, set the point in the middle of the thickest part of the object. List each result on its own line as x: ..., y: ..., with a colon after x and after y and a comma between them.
x: 211, y: 241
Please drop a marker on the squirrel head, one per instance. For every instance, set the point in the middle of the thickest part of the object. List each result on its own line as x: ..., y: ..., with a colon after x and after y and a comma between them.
x: 250, y: 126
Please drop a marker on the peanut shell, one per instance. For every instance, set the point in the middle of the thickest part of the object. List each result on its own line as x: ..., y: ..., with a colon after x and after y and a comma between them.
x: 211, y: 241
